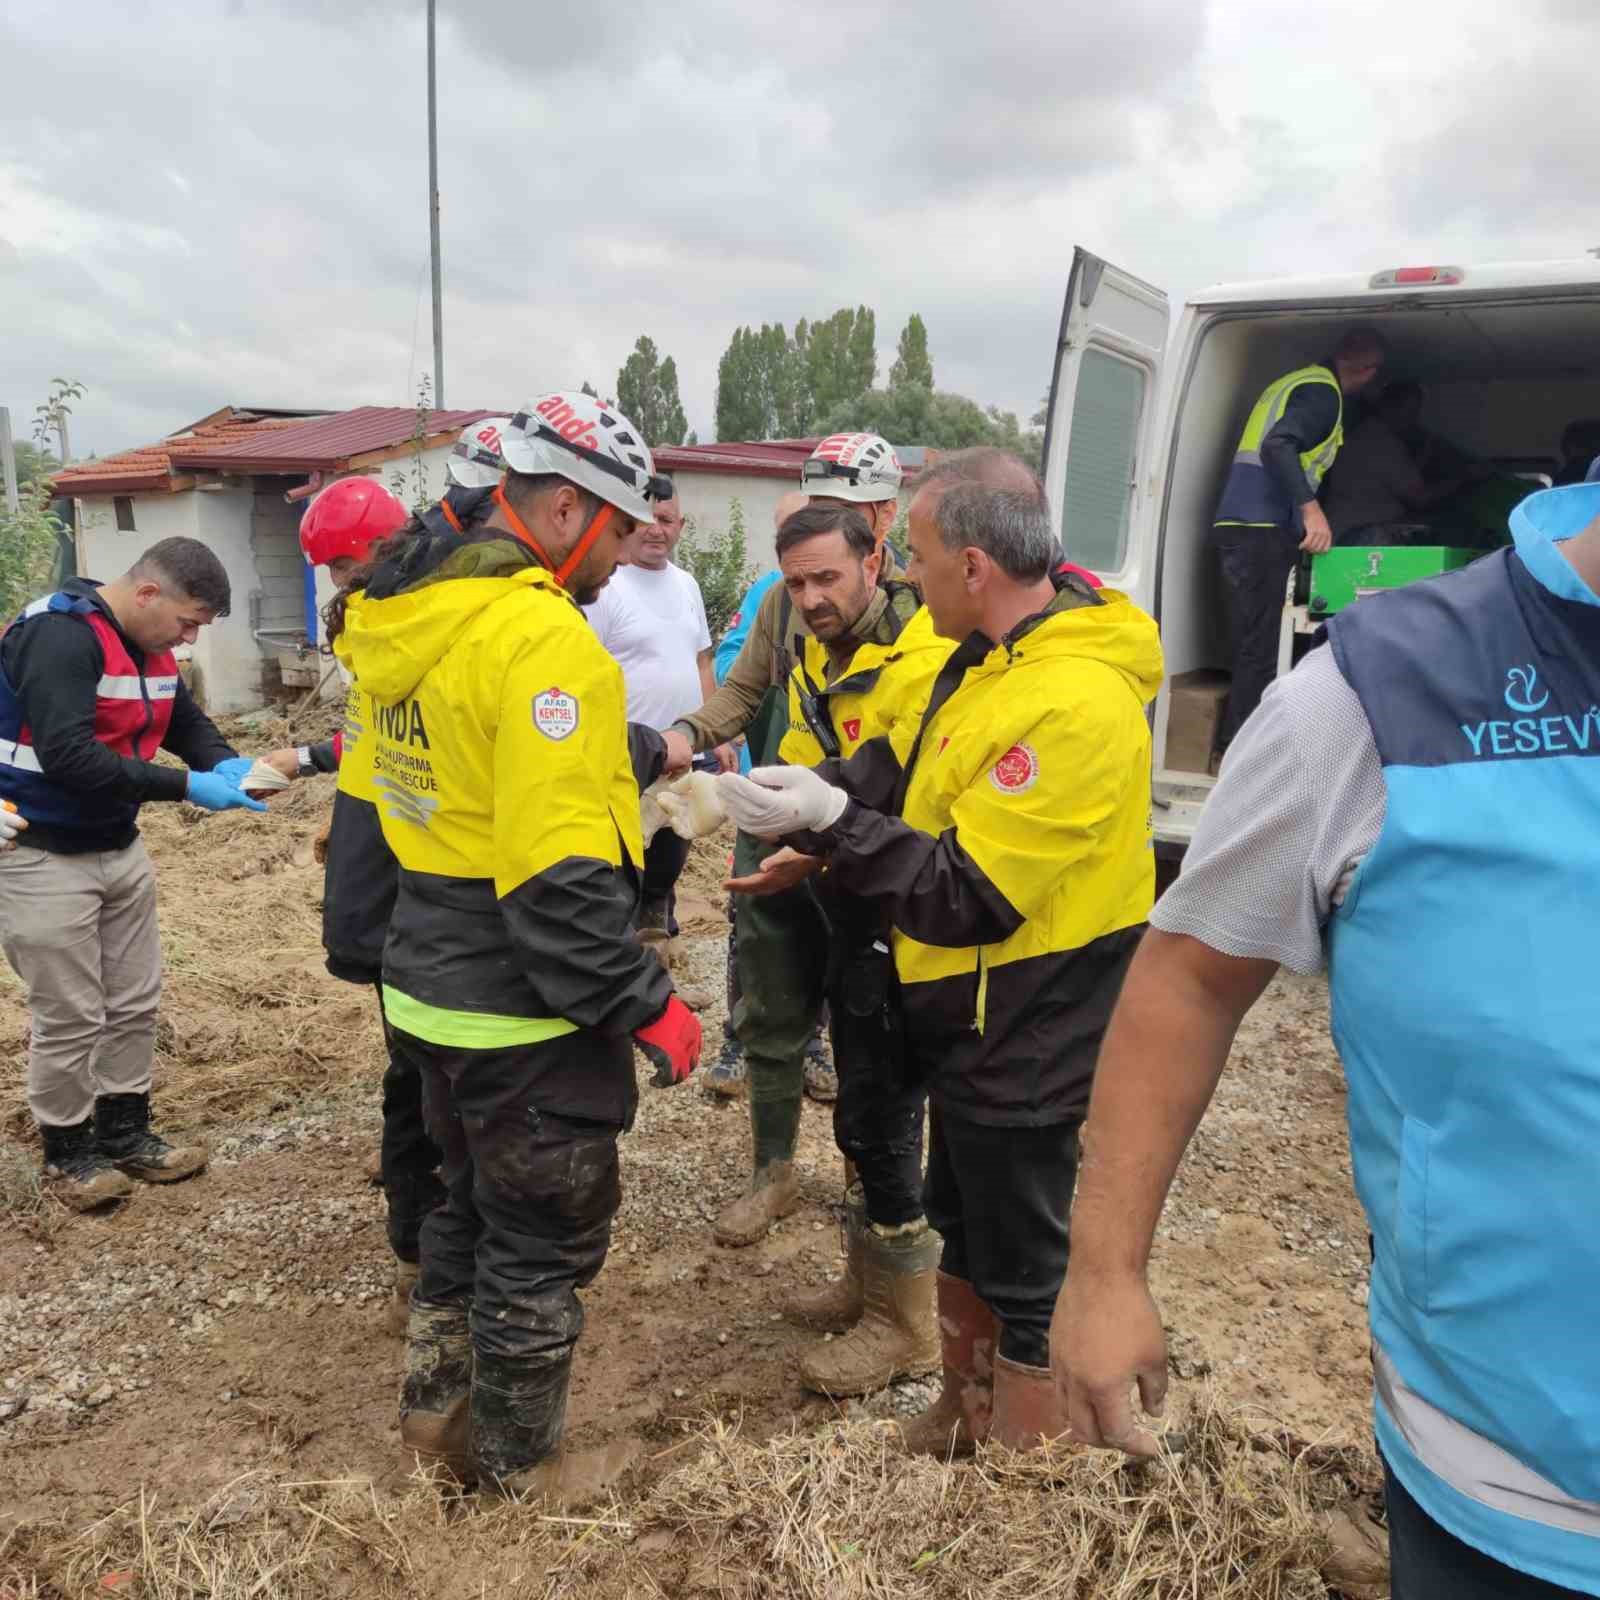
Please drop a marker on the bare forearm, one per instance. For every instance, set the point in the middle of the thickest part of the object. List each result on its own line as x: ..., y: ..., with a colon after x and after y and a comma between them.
x: 1164, y: 1052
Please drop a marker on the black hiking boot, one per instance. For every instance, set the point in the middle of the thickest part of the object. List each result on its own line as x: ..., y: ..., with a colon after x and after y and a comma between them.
x: 75, y: 1170
x: 122, y: 1126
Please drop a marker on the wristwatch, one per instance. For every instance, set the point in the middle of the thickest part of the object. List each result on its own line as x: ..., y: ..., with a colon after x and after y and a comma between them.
x: 307, y: 766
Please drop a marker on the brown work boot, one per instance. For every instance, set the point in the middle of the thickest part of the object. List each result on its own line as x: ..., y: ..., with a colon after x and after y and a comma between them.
x: 126, y: 1139
x: 1028, y: 1407
x: 571, y: 1479
x: 958, y: 1421
x: 76, y: 1171
x: 837, y: 1305
x: 897, y: 1336
x: 774, y: 1192
x: 436, y: 1388
x: 397, y: 1311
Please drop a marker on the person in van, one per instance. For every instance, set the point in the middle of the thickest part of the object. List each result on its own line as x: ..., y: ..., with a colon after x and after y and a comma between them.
x: 1269, y: 511
x: 1580, y: 449
x: 1377, y: 492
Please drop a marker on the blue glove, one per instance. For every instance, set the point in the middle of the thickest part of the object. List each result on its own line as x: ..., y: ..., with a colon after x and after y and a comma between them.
x: 213, y: 791
x: 234, y: 768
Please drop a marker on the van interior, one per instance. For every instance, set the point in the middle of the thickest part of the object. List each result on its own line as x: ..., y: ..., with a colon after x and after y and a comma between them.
x: 1501, y: 381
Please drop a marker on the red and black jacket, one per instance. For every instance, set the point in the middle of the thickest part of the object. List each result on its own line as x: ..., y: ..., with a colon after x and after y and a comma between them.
x: 83, y: 711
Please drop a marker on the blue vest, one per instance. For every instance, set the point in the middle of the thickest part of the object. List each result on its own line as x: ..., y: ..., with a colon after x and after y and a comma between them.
x: 1463, y: 969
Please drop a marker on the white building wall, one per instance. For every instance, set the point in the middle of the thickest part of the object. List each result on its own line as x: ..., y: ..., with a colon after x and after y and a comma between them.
x: 707, y: 497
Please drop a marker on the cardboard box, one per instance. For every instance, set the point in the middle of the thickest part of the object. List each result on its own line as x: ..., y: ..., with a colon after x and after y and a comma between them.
x: 1194, y: 710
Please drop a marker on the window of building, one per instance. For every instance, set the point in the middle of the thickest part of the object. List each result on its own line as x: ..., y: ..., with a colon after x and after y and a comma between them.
x: 123, y: 506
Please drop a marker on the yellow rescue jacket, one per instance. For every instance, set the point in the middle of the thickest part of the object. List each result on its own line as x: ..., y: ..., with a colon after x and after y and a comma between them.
x: 881, y: 684
x: 503, y: 780
x: 1019, y: 802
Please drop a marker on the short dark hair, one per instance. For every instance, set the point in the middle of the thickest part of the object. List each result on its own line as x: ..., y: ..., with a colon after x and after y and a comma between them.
x: 186, y: 567
x: 521, y: 488
x: 1011, y: 527
x: 1354, y: 343
x: 814, y: 521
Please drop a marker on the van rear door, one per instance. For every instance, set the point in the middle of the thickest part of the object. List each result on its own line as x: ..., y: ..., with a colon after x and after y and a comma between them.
x: 1100, y: 428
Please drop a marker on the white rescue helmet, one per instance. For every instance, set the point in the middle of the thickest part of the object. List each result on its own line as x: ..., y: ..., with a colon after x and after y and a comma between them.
x: 852, y: 466
x: 591, y: 444
x: 475, y: 461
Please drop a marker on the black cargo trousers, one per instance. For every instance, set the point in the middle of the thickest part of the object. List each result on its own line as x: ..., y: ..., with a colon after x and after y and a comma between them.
x: 529, y: 1137
x: 795, y: 951
x: 408, y: 1160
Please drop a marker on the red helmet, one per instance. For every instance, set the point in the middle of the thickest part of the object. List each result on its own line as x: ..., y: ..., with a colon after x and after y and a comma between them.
x: 347, y: 519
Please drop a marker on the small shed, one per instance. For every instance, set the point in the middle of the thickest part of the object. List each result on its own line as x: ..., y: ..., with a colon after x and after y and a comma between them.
x: 238, y: 480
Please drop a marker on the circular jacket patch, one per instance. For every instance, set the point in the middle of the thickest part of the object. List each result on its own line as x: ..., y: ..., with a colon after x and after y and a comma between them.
x: 555, y: 713
x: 1016, y: 770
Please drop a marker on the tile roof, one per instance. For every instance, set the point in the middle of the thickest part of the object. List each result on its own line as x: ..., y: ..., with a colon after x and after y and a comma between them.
x: 149, y: 468
x: 770, y: 458
x: 323, y: 444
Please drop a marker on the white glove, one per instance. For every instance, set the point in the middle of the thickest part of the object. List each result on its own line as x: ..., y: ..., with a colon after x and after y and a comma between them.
x: 774, y: 801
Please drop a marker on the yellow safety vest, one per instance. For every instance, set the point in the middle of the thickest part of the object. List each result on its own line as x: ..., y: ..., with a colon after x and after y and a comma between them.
x: 1250, y: 497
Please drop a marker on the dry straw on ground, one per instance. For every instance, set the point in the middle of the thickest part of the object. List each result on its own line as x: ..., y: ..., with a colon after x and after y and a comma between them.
x: 835, y: 1513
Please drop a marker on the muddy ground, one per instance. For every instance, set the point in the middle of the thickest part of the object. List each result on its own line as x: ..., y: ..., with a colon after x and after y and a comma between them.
x: 232, y: 1324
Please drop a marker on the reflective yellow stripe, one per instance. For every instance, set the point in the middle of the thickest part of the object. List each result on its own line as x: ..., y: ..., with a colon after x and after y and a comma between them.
x: 468, y: 1030
x: 982, y: 1014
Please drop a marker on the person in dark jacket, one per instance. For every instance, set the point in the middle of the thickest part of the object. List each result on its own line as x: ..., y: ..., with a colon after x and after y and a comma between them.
x: 340, y: 530
x: 1269, y: 511
x: 89, y: 692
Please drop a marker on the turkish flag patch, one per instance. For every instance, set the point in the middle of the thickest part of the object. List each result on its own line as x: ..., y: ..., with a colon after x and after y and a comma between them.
x: 1016, y: 771
x: 852, y: 728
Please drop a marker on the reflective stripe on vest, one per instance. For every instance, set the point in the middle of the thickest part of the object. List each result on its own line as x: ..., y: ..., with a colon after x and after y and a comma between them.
x: 20, y: 756
x: 467, y: 1030
x: 1250, y: 495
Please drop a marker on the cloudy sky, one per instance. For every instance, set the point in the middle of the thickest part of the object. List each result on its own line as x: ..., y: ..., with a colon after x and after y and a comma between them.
x: 225, y: 200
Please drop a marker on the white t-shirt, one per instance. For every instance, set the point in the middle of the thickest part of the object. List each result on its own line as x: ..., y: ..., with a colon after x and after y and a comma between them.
x: 654, y: 624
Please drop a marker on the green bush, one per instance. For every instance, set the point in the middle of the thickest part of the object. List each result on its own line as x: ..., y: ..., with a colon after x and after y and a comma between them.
x: 29, y: 542
x: 719, y: 565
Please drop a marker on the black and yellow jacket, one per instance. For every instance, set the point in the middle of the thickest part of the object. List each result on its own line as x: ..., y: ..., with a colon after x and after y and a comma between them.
x: 506, y: 788
x: 834, y: 710
x: 1007, y: 836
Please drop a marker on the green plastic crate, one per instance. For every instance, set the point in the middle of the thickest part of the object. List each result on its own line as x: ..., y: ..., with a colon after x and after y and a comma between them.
x: 1341, y: 576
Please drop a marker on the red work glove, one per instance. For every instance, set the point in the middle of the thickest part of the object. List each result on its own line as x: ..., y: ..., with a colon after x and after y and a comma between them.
x: 672, y: 1042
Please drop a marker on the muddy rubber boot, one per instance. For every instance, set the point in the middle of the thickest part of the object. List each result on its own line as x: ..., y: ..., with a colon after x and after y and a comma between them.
x: 775, y: 1095
x: 122, y: 1127
x: 1028, y: 1407
x: 897, y: 1336
x: 519, y: 1409
x: 836, y: 1306
x: 397, y: 1312
x: 436, y: 1388
x: 75, y: 1170
x: 958, y: 1421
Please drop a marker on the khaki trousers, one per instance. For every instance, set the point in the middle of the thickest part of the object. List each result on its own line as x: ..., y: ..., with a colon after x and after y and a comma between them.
x: 81, y: 933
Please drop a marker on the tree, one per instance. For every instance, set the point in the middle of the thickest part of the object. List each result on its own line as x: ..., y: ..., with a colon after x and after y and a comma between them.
x: 647, y: 391
x: 841, y: 359
x: 912, y: 364
x: 718, y: 564
x: 911, y: 414
x: 33, y: 463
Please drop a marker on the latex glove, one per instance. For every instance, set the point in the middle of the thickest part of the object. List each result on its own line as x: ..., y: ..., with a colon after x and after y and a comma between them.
x: 692, y: 805
x: 234, y: 768
x: 11, y: 824
x: 211, y: 791
x: 672, y: 1042
x: 774, y: 801
x: 652, y: 815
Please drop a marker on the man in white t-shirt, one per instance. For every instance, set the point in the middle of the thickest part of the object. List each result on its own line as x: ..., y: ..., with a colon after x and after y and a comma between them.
x: 652, y: 619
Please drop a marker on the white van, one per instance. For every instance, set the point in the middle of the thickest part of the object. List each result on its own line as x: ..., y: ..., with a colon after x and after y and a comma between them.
x: 1142, y: 425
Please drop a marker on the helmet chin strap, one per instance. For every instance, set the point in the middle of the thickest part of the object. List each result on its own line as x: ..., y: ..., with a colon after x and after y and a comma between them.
x: 586, y: 541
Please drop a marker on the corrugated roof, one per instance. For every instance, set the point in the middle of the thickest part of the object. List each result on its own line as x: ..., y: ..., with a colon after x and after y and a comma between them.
x: 149, y: 469
x: 325, y: 444
x: 768, y: 458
